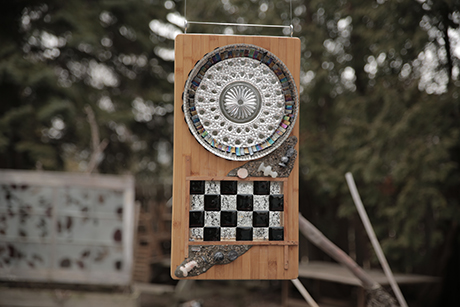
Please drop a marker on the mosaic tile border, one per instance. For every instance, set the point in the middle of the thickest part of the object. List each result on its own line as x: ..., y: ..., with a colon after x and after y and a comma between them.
x: 233, y: 151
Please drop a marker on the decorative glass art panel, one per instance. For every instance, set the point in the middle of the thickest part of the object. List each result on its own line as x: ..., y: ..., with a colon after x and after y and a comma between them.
x: 236, y: 211
x: 240, y: 102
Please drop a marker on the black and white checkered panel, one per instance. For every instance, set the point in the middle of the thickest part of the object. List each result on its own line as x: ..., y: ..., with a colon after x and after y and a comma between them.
x: 236, y: 211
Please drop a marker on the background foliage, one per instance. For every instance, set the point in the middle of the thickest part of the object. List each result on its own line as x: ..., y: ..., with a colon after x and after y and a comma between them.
x: 379, y: 97
x: 59, y: 56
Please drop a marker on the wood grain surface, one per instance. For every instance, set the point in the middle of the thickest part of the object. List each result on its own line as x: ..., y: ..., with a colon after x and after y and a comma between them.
x: 192, y: 161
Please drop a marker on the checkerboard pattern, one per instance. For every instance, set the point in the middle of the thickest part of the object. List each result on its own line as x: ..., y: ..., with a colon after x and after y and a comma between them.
x: 236, y: 211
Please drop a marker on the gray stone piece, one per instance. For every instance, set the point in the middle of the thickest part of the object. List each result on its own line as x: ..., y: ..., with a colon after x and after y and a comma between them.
x: 273, y: 160
x: 203, y: 257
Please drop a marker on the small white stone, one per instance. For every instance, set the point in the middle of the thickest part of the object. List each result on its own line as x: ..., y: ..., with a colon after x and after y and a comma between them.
x: 242, y: 173
x: 188, y: 267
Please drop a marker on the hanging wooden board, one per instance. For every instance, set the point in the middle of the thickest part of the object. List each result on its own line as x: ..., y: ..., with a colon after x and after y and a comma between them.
x: 200, y: 175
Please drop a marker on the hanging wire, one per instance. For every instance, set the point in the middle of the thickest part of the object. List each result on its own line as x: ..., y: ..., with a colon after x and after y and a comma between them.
x: 185, y: 17
x: 186, y: 22
x: 291, y: 26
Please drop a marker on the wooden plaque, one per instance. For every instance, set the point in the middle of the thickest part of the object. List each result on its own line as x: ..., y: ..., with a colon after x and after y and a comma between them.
x: 266, y: 259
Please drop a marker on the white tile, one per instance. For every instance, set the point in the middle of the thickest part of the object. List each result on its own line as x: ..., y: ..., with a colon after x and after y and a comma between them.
x: 245, y: 187
x: 260, y: 234
x: 228, y: 234
x: 228, y: 202
x: 212, y: 187
x: 244, y: 219
x: 212, y: 219
x: 261, y: 202
x: 197, y: 202
x: 276, y: 219
x: 196, y: 234
x: 276, y: 187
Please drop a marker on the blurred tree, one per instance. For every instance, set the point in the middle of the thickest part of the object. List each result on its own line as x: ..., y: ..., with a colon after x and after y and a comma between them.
x: 381, y: 83
x: 57, y: 57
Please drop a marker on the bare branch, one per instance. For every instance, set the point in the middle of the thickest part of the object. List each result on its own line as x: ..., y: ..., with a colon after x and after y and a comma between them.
x: 97, y: 146
x: 377, y: 295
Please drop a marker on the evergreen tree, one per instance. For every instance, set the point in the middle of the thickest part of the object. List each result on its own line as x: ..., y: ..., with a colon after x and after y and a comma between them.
x: 59, y: 56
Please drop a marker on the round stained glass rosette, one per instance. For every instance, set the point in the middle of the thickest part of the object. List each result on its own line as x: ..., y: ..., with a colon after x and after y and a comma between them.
x: 240, y: 102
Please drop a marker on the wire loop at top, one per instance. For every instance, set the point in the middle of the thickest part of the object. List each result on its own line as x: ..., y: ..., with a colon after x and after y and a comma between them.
x: 187, y: 22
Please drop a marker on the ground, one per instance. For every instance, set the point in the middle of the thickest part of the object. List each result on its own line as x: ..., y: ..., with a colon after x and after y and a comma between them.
x: 218, y: 293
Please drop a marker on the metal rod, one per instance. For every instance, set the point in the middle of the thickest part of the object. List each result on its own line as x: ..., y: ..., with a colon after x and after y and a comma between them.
x: 375, y: 243
x: 185, y: 10
x: 304, y: 292
x: 185, y: 17
x: 186, y: 22
x: 291, y: 27
x: 236, y: 24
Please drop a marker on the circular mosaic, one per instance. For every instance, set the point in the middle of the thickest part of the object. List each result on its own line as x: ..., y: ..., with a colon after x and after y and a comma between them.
x: 240, y: 102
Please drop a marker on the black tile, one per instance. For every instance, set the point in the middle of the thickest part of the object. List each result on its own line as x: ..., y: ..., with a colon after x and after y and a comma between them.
x: 276, y: 202
x: 197, y: 187
x: 196, y: 219
x: 244, y: 202
x: 260, y: 219
x: 276, y: 233
x: 212, y: 202
x: 211, y: 234
x: 228, y: 187
x: 244, y: 233
x: 261, y: 187
x: 228, y: 218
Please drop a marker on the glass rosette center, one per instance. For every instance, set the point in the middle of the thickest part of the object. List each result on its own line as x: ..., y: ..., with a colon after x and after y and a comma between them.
x: 240, y: 102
